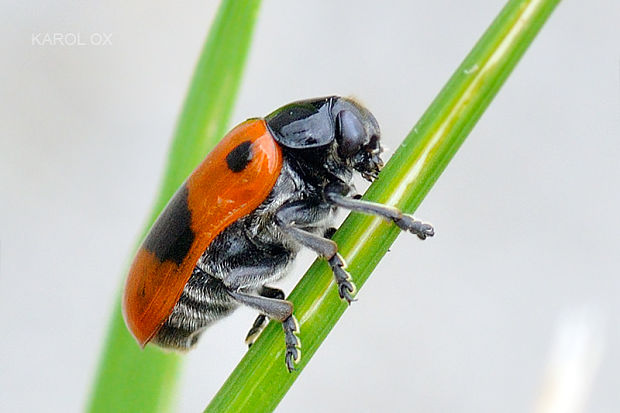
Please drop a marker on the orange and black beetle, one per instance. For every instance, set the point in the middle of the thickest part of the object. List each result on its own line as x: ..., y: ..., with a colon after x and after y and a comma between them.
x: 269, y: 188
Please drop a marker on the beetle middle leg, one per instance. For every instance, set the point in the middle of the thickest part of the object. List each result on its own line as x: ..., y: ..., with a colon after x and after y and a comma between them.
x: 335, y: 193
x: 275, y: 309
x: 261, y: 321
x: 291, y: 219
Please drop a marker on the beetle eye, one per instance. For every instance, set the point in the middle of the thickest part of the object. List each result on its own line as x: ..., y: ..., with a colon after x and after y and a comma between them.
x: 350, y: 133
x: 374, y: 145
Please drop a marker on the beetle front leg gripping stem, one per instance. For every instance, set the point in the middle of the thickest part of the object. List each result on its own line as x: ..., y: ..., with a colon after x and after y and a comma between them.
x: 334, y: 194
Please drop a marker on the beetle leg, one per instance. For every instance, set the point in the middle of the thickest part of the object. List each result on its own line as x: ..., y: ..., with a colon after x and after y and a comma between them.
x: 293, y: 345
x: 288, y: 219
x: 280, y: 310
x: 329, y: 232
x: 335, y: 194
x: 261, y: 321
x: 259, y: 325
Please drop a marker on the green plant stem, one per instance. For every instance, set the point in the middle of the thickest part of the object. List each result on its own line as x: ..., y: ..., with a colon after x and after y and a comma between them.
x: 261, y: 379
x: 129, y: 379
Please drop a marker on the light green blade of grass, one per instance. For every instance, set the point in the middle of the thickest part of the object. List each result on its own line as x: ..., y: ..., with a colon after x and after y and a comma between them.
x: 130, y: 379
x: 261, y: 379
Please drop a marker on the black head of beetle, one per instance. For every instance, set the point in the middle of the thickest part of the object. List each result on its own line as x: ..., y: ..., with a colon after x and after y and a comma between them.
x: 335, y: 126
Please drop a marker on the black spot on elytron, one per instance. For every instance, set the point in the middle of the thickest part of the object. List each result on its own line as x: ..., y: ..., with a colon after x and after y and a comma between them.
x: 171, y: 236
x: 239, y: 158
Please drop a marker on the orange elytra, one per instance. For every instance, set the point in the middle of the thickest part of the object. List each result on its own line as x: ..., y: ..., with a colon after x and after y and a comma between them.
x: 232, y: 181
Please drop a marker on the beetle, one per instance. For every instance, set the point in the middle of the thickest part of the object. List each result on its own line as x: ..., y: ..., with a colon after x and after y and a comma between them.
x: 269, y: 188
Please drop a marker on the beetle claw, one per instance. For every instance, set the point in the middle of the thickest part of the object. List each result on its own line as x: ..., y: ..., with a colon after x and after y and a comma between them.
x: 293, y: 345
x: 257, y: 328
x: 419, y: 228
x: 346, y: 287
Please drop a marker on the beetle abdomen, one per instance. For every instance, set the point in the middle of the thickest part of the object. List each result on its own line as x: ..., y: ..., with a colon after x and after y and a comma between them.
x: 203, y: 301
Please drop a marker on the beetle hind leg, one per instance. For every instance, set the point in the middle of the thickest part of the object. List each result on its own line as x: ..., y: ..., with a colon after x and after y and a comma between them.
x: 276, y: 309
x: 257, y: 328
x: 293, y: 345
x: 261, y: 321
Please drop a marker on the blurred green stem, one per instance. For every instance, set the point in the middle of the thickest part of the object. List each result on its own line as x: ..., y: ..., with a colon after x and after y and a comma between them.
x: 261, y: 379
x: 129, y: 379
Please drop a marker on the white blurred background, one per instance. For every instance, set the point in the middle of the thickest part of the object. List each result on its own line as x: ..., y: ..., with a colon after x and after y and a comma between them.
x: 526, y: 215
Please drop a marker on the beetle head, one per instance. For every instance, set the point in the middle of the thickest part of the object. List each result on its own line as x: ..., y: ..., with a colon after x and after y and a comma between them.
x: 330, y: 122
x: 358, y: 137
